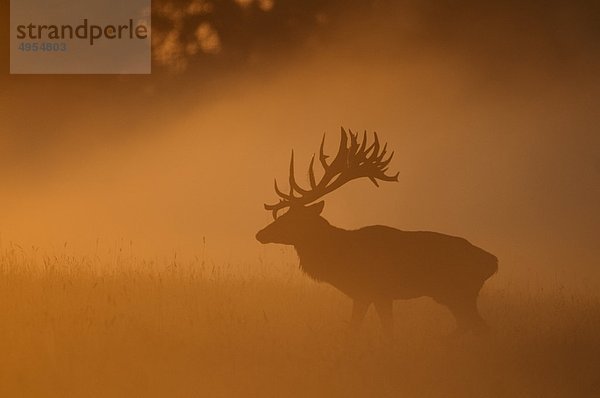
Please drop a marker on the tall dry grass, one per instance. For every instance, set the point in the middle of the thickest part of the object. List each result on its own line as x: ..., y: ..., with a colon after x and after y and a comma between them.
x: 124, y: 327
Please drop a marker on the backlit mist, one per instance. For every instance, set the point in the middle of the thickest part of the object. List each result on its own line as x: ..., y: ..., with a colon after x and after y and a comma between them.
x: 491, y: 109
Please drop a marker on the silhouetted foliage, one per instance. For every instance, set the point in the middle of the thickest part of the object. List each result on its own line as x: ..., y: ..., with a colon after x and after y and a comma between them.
x: 223, y: 33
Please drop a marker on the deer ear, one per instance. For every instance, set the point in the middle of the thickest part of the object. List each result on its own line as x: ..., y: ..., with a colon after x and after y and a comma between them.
x: 317, y: 207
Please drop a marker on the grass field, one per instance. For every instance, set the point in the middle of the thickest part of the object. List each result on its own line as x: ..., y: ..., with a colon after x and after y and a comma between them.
x: 79, y: 327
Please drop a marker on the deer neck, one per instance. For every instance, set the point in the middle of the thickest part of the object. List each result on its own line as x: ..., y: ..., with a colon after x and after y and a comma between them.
x: 316, y: 242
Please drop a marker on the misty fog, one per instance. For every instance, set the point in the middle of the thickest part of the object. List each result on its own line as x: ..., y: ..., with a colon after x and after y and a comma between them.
x: 493, y: 124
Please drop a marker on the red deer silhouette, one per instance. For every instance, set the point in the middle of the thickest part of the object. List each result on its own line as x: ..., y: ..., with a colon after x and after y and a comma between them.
x: 376, y: 264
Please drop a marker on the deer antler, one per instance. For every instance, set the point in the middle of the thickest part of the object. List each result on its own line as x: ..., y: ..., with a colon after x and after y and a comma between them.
x: 353, y: 160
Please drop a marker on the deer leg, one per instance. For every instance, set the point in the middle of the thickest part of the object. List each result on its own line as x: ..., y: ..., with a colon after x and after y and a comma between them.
x: 476, y: 322
x: 385, y: 311
x: 467, y: 316
x: 359, y: 310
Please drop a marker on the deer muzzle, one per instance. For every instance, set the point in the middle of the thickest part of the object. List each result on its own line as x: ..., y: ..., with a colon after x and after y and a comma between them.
x: 260, y: 236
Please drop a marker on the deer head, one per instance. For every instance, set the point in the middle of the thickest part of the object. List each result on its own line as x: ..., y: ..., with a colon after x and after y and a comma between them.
x: 355, y: 159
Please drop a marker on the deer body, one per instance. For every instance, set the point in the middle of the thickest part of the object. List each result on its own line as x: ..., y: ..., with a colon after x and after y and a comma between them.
x: 376, y: 264
x: 379, y: 262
